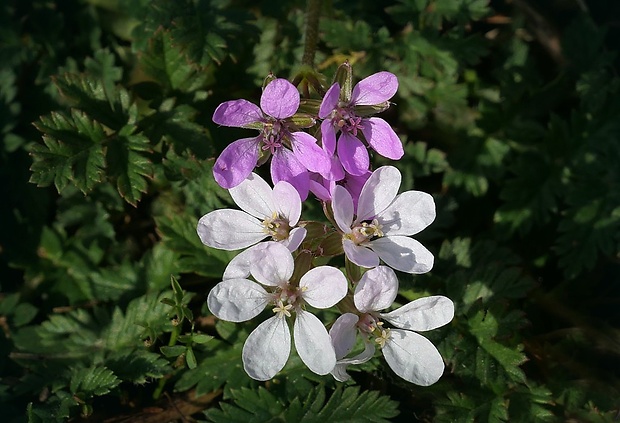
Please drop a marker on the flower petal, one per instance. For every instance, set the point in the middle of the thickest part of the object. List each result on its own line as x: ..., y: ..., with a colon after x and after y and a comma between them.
x: 328, y: 136
x: 237, y: 300
x: 275, y: 265
x: 342, y: 207
x: 310, y: 154
x: 286, y: 167
x: 254, y: 196
x: 409, y: 213
x: 237, y: 113
x: 236, y: 162
x: 374, y: 89
x: 413, y: 357
x: 280, y: 99
x: 343, y: 334
x: 423, y: 314
x: 376, y: 290
x: 378, y: 192
x: 228, y: 229
x: 353, y: 155
x: 313, y: 343
x: 323, y: 286
x: 382, y: 138
x: 239, y: 266
x: 403, y: 253
x: 359, y: 255
x: 330, y: 100
x: 295, y: 238
x: 340, y: 370
x: 266, y: 350
x: 287, y: 202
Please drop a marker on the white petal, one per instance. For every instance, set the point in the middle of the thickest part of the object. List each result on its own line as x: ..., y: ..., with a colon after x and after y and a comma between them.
x: 295, y: 238
x: 287, y: 202
x: 359, y: 255
x: 422, y: 314
x: 254, y: 196
x: 239, y: 266
x: 403, y: 253
x: 343, y: 333
x: 340, y: 370
x: 229, y: 229
x: 342, y: 206
x: 376, y: 290
x: 413, y: 357
x: 273, y: 266
x: 378, y: 192
x: 411, y: 212
x: 323, y: 286
x: 313, y: 343
x: 237, y: 300
x: 266, y: 350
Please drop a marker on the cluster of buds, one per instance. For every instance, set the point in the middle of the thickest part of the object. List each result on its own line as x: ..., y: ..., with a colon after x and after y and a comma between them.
x: 324, y: 151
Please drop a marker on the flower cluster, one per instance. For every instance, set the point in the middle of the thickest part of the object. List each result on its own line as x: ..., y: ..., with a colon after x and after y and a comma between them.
x: 368, y: 222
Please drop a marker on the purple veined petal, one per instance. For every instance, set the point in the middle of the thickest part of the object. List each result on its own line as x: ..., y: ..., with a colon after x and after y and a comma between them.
x: 323, y: 286
x: 274, y: 266
x: 423, y: 314
x: 287, y: 202
x: 237, y: 300
x: 378, y: 192
x: 309, y: 154
x: 342, y: 207
x: 409, y: 213
x: 228, y: 229
x: 237, y: 113
x: 286, y: 167
x: 330, y: 100
x: 354, y: 184
x: 280, y: 99
x: 382, y: 138
x: 343, y: 334
x: 340, y: 370
x: 376, y: 290
x: 336, y: 173
x: 295, y: 238
x: 239, y: 266
x: 328, y: 136
x: 236, y: 162
x: 374, y: 89
x: 320, y: 187
x: 353, y: 155
x: 413, y: 357
x: 403, y: 253
x: 359, y: 255
x: 266, y: 350
x: 254, y: 196
x: 313, y: 343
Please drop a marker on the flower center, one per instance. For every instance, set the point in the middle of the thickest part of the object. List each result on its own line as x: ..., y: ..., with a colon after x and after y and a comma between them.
x: 287, y: 299
x: 370, y: 325
x: 365, y: 232
x: 347, y: 121
x: 277, y: 227
x: 273, y: 136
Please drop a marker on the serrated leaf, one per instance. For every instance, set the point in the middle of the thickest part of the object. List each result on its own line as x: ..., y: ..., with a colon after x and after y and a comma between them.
x: 129, y: 166
x: 94, y: 381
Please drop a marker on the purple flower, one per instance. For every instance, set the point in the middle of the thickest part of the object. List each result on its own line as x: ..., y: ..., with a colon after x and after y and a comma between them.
x: 294, y: 153
x: 340, y: 116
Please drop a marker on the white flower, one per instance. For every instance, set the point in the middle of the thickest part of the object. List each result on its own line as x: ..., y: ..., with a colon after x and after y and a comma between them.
x: 384, y: 223
x: 266, y: 212
x: 266, y: 350
x: 409, y: 354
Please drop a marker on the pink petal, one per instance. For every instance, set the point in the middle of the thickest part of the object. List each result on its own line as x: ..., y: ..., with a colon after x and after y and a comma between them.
x: 413, y: 357
x: 328, y: 136
x: 359, y: 255
x: 310, y: 154
x: 342, y: 207
x: 382, y: 138
x: 237, y: 113
x: 330, y: 101
x: 376, y: 290
x: 236, y: 162
x: 343, y: 334
x: 286, y: 167
x: 375, y: 89
x: 280, y: 99
x: 353, y: 155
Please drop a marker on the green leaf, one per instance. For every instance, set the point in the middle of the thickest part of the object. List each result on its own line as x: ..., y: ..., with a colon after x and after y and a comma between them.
x: 88, y: 382
x: 173, y: 351
x: 129, y: 166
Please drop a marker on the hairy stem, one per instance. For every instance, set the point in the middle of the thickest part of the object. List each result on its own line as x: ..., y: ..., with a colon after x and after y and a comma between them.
x: 313, y: 13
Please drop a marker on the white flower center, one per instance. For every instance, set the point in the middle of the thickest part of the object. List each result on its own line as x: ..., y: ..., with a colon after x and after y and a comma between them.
x: 277, y: 227
x: 371, y: 326
x: 365, y: 232
x: 287, y: 299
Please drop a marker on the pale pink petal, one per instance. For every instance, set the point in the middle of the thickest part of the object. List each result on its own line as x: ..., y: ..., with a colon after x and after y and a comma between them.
x: 409, y: 213
x: 413, y: 357
x: 237, y: 300
x: 313, y: 343
x: 354, y: 184
x: 359, y: 255
x: 274, y: 266
x: 382, y: 138
x: 403, y: 253
x: 330, y: 101
x: 280, y: 99
x: 378, y: 192
x: 328, y: 136
x: 375, y: 89
x: 343, y: 334
x: 228, y: 229
x: 236, y: 162
x: 266, y: 350
x: 237, y: 113
x: 342, y: 207
x: 353, y: 155
x: 320, y: 187
x: 254, y: 196
x: 239, y: 267
x: 323, y: 286
x: 340, y: 370
x: 423, y: 314
x: 295, y: 238
x: 309, y: 154
x: 287, y: 202
x: 286, y: 167
x: 376, y: 290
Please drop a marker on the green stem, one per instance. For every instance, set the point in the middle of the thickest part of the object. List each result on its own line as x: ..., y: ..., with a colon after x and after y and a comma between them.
x: 176, y: 330
x: 313, y: 13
